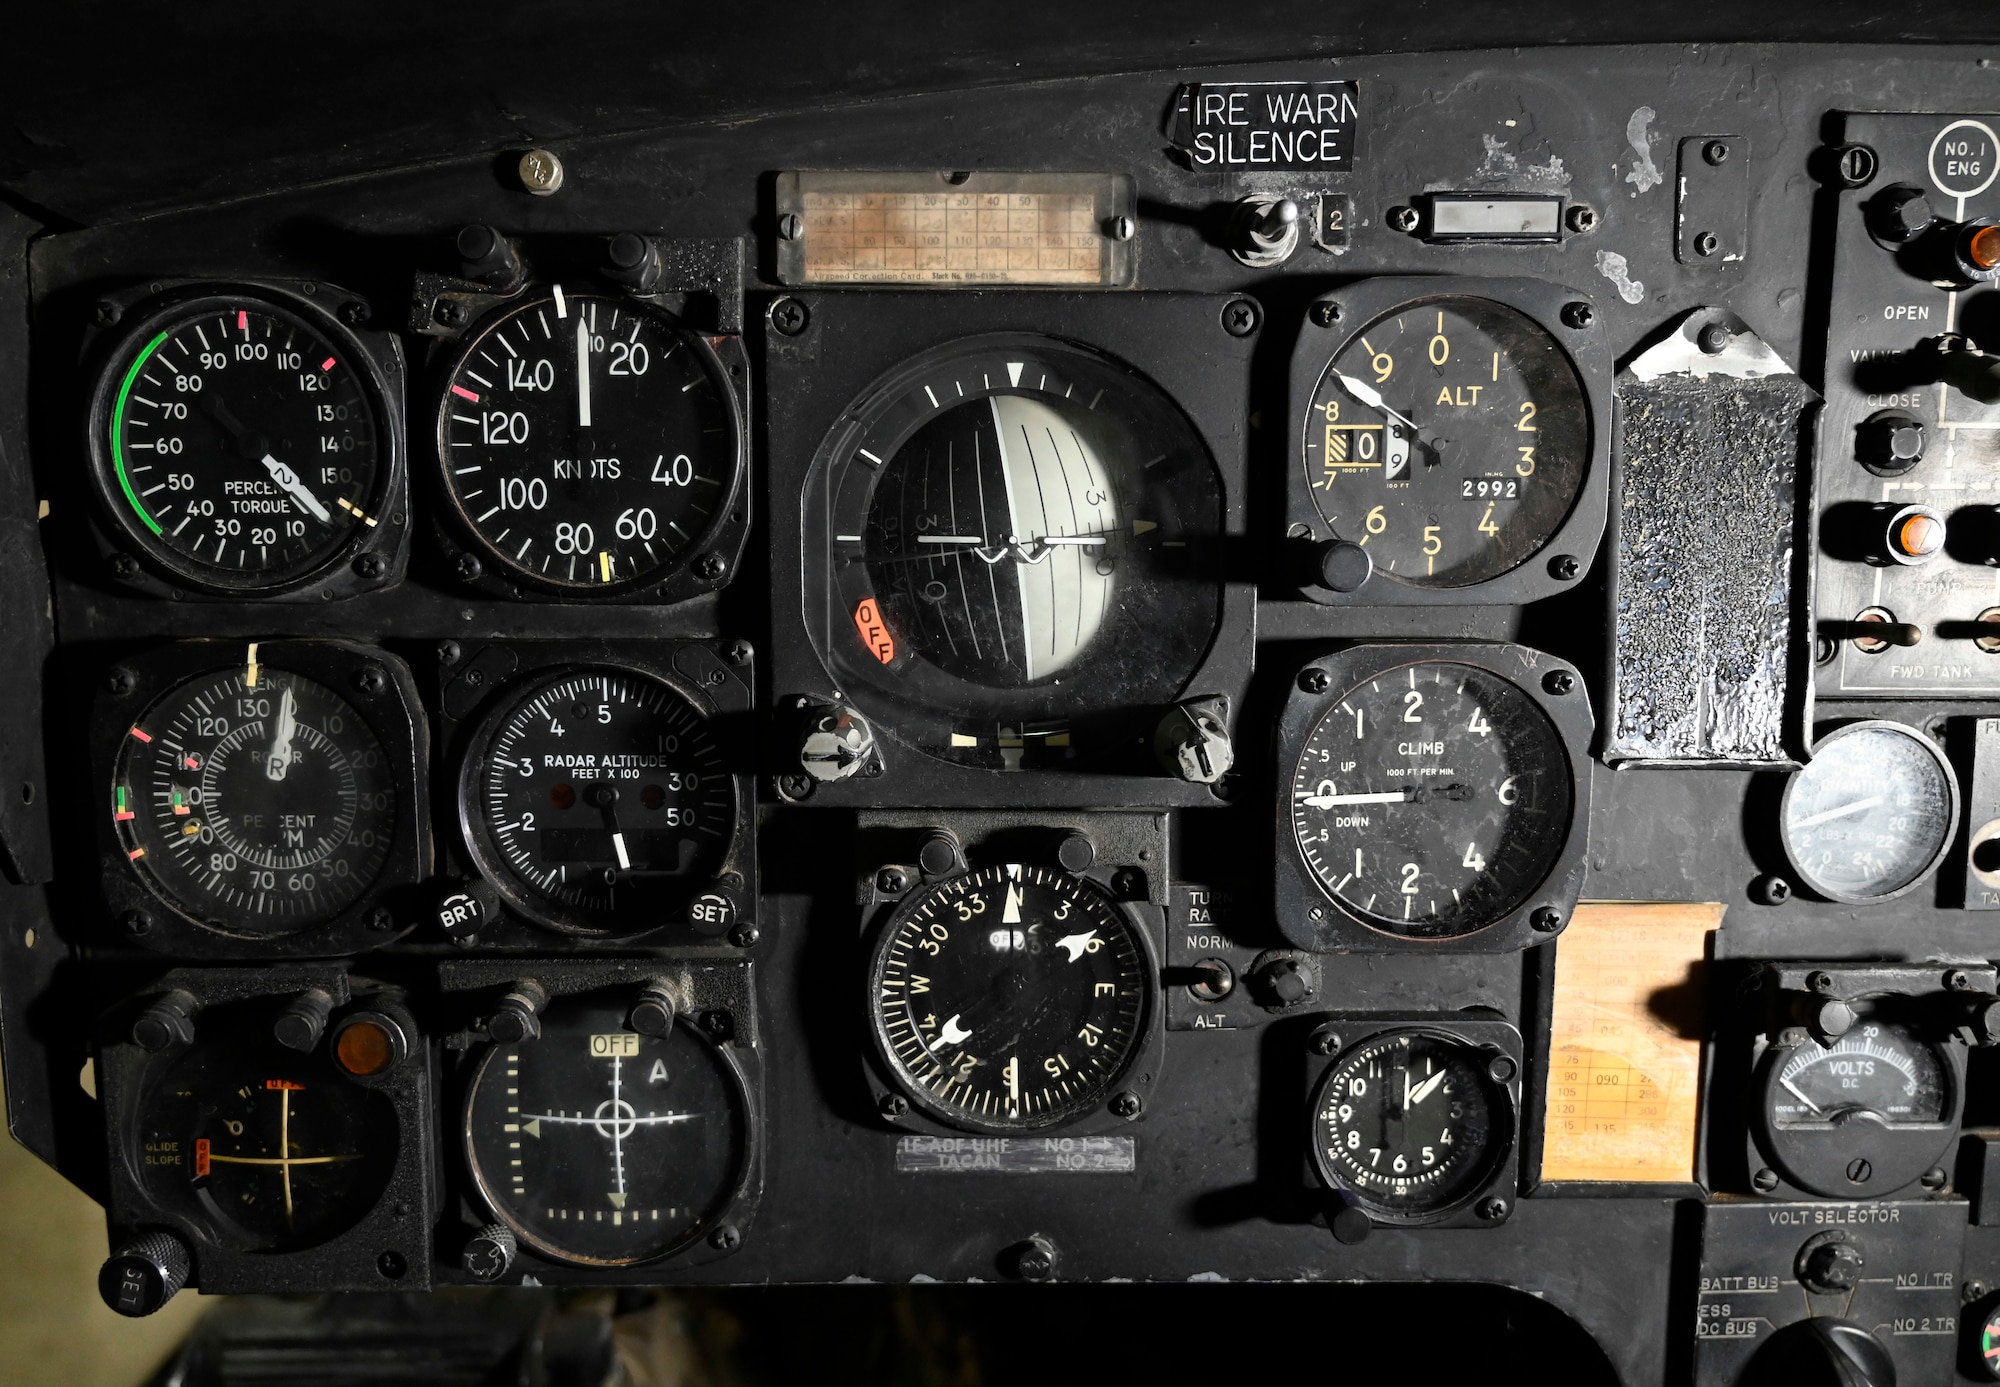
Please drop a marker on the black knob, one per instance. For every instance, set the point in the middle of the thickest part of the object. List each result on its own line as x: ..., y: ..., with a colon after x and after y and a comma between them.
x: 167, y: 1020
x: 1832, y: 1268
x: 1889, y: 443
x: 1901, y: 213
x: 1824, y: 1351
x: 653, y: 1013
x: 1340, y: 565
x: 516, y: 1017
x: 463, y: 913
x: 303, y: 1020
x: 489, y: 1252
x: 940, y: 853
x: 632, y: 260
x: 487, y: 256
x: 1282, y: 982
x: 143, y: 1275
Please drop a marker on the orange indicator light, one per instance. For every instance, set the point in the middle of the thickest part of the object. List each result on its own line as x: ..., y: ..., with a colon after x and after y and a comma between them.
x: 1983, y: 250
x: 874, y: 633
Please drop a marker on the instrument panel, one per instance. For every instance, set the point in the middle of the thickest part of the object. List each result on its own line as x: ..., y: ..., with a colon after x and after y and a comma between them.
x: 1365, y: 699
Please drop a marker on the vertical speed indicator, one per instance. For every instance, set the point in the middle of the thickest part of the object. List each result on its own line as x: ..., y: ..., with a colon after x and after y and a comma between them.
x: 1431, y: 799
x: 587, y: 447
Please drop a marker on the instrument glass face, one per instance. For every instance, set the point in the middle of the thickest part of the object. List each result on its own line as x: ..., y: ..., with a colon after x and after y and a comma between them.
x: 275, y: 1149
x: 1449, y: 438
x: 1432, y: 799
x: 587, y: 445
x: 1009, y: 998
x: 603, y: 1147
x: 597, y: 799
x: 1879, y: 1068
x: 1409, y: 1123
x: 1870, y: 815
x: 239, y: 444
x: 1023, y: 540
x: 254, y: 800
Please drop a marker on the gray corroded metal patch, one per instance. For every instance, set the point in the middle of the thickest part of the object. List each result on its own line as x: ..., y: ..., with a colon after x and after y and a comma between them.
x: 1705, y: 660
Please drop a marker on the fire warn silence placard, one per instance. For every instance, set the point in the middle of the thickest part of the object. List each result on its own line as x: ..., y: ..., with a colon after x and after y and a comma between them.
x: 1267, y: 125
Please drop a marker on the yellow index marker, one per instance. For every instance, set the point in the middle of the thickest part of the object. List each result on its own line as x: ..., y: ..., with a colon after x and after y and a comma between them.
x: 250, y: 668
x: 355, y: 511
x: 604, y: 564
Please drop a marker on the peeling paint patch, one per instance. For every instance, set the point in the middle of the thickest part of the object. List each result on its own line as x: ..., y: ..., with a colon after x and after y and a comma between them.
x: 1644, y: 175
x: 1502, y: 171
x: 1618, y: 270
x: 1208, y: 1276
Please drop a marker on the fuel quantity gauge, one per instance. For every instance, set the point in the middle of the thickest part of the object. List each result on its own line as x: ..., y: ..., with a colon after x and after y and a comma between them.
x: 1870, y: 816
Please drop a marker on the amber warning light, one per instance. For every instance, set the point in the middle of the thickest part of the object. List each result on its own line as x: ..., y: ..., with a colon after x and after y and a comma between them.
x: 874, y: 634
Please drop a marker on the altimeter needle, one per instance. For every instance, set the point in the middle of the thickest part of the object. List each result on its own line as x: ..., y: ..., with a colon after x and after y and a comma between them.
x: 1370, y: 396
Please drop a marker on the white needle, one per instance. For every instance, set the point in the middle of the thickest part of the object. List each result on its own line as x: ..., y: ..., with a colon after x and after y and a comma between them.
x: 582, y: 373
x: 278, y: 760
x: 1370, y: 396
x: 1426, y: 1088
x: 1329, y: 801
x: 951, y: 1033
x: 289, y: 480
x: 1799, y: 1095
x: 1831, y: 814
x: 618, y: 842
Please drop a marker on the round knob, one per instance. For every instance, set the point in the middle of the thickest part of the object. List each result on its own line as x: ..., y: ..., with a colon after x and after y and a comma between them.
x: 837, y: 744
x: 489, y: 1252
x: 1900, y: 214
x: 516, y: 1016
x: 1831, y: 1018
x: 1340, y: 565
x: 653, y: 1013
x: 1832, y: 1268
x: 167, y: 1020
x: 1890, y: 443
x: 145, y: 1274
x: 1194, y: 745
x: 1915, y: 536
x: 1282, y: 982
x: 1824, y: 1351
x: 303, y: 1020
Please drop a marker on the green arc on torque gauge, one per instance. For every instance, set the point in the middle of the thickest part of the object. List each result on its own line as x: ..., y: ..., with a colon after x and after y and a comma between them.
x: 118, y: 432
x: 244, y: 437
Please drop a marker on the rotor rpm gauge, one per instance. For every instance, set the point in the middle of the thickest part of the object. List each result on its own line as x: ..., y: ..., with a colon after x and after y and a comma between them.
x: 587, y: 447
x: 597, y: 800
x: 239, y: 443
x: 599, y: 1146
x: 255, y: 800
x: 1431, y: 799
x: 1021, y: 541
x: 1449, y: 438
x: 1870, y: 816
x: 1411, y: 1124
x: 1009, y: 998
